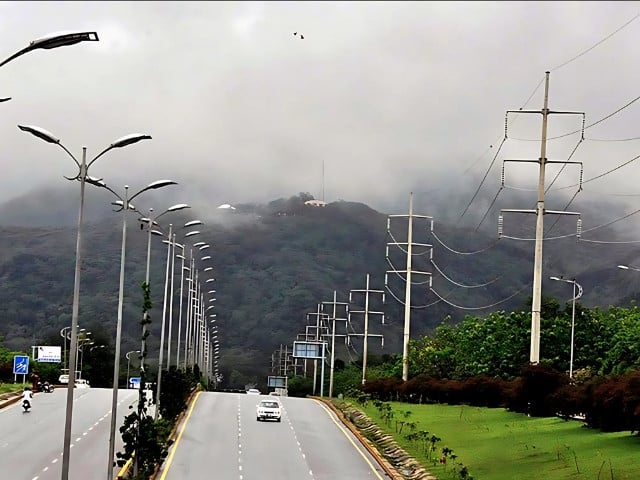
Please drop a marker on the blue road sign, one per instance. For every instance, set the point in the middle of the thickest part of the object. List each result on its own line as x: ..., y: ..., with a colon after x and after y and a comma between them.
x: 20, y: 365
x: 134, y: 382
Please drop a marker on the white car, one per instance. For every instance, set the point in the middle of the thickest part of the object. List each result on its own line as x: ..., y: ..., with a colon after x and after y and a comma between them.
x: 253, y: 391
x: 82, y: 383
x: 64, y: 379
x: 268, y: 410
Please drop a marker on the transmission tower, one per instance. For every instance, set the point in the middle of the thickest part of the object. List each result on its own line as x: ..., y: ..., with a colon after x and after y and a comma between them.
x: 366, y: 312
x: 333, y: 317
x: 540, y: 211
x: 406, y: 275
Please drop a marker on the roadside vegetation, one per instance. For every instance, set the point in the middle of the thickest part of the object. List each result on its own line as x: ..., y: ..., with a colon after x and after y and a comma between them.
x: 465, y: 442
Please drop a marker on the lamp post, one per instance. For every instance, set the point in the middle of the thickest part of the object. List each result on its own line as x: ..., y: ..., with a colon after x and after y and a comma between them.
x: 64, y: 333
x: 168, y: 296
x: 127, y: 356
x: 52, y: 40
x: 124, y: 205
x: 182, y: 269
x: 151, y: 222
x: 573, y: 314
x: 82, y: 176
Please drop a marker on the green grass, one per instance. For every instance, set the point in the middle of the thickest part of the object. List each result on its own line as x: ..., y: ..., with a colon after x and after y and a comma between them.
x: 495, y: 444
x: 12, y: 387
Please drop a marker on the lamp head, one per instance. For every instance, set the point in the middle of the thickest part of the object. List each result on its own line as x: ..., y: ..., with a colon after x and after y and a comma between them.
x: 129, y: 139
x: 40, y: 133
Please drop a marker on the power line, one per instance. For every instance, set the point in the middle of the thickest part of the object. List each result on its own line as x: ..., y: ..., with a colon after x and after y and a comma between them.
x: 595, y: 45
x: 606, y: 117
x: 463, y: 253
x: 506, y: 124
x: 460, y: 284
x: 477, y: 308
x: 486, y: 174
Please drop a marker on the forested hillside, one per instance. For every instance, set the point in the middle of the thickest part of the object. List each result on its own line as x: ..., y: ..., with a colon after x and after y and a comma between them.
x: 273, y: 264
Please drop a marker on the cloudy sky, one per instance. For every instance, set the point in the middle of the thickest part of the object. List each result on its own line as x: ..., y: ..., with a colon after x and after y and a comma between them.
x: 389, y: 97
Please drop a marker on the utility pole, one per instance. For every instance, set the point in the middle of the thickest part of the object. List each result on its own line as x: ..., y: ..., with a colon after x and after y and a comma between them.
x: 534, y: 357
x: 315, y: 336
x: 333, y: 317
x: 409, y: 244
x: 366, y: 313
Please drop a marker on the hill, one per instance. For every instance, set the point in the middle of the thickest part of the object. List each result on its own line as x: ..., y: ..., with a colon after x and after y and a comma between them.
x: 273, y: 265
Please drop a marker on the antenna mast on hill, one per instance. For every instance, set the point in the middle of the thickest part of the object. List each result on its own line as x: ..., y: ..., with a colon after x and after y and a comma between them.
x: 323, y: 180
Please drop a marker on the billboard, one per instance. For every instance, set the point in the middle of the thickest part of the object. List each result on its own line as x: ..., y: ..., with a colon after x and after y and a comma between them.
x: 276, y: 382
x: 308, y: 349
x: 49, y: 355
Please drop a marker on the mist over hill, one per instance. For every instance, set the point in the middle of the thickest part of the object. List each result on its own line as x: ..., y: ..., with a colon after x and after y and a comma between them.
x: 275, y: 262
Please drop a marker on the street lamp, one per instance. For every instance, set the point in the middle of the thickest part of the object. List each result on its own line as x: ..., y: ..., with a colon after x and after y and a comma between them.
x: 82, y: 176
x: 150, y: 223
x: 52, y: 40
x: 124, y: 204
x: 573, y: 314
x: 625, y: 267
x: 65, y: 333
x: 127, y: 355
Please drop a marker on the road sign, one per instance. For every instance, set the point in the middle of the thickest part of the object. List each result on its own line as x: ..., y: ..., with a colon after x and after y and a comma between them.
x: 276, y: 381
x: 134, y: 382
x: 20, y: 365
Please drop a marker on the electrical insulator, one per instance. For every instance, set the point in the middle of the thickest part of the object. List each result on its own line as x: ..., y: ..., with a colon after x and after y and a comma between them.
x: 502, y: 175
x: 581, y: 175
x: 500, y: 224
x: 579, y: 228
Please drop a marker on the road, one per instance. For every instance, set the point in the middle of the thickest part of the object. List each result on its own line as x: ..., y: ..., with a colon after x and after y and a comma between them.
x: 220, y: 438
x: 31, y: 443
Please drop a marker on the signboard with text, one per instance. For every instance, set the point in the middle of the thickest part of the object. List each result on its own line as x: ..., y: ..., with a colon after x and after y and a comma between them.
x: 49, y: 355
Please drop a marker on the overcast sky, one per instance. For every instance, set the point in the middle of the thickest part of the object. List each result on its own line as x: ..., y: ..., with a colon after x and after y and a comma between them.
x: 389, y: 96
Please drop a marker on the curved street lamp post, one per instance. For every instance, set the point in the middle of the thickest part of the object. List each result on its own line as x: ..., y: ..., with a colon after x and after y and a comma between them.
x: 124, y: 205
x: 52, y: 40
x: 168, y: 296
x: 576, y: 296
x: 82, y: 176
x: 127, y: 356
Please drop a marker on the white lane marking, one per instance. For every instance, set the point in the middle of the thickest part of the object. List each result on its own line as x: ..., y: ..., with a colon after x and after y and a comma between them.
x: 35, y: 478
x: 55, y: 460
x: 45, y: 469
x: 295, y: 437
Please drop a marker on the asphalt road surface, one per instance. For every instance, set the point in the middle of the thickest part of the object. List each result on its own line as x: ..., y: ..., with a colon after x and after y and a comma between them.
x: 31, y: 443
x: 220, y: 438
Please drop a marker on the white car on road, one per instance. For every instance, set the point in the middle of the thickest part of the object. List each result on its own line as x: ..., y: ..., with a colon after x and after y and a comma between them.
x: 268, y: 410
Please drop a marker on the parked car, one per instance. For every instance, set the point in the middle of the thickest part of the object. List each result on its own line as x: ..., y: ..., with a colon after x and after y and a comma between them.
x: 64, y: 378
x: 82, y: 383
x: 268, y: 410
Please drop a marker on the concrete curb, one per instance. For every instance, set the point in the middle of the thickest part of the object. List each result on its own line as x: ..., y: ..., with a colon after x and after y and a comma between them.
x: 373, y: 451
x: 9, y: 401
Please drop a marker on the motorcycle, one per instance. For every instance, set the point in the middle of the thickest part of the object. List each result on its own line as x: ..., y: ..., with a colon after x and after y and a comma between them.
x: 26, y: 404
x: 45, y: 387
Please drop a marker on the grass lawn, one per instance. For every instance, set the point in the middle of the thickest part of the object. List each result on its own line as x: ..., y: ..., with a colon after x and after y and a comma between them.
x: 12, y: 387
x: 495, y: 444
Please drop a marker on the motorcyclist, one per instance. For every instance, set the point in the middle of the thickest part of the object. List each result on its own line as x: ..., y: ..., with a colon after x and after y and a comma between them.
x: 27, y: 395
